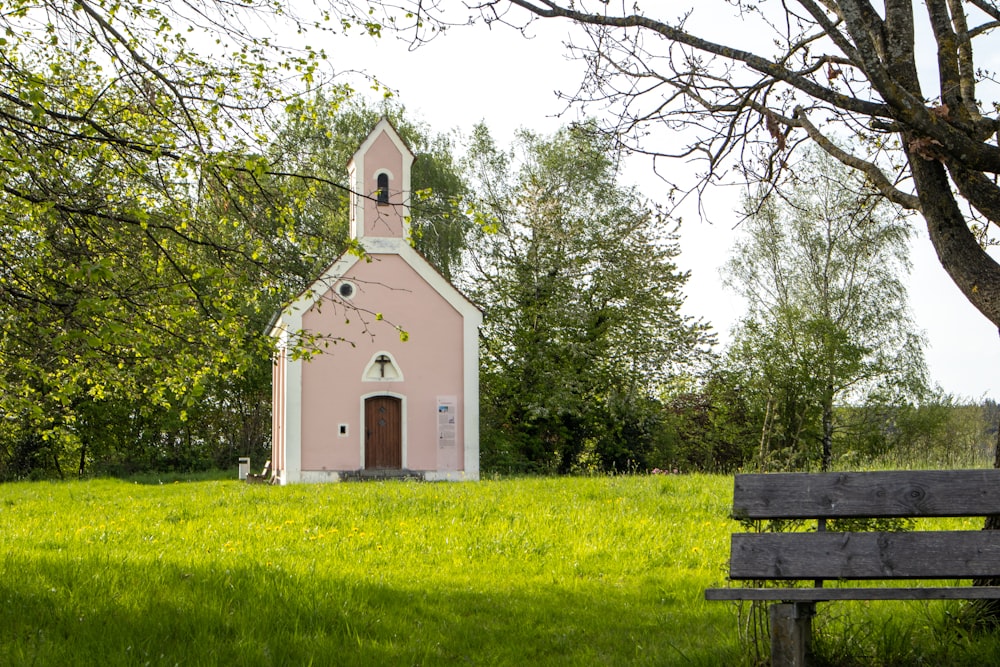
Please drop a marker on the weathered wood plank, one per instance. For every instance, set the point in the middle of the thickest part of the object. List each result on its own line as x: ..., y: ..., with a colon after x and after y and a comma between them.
x: 832, y: 555
x: 832, y: 594
x: 930, y: 493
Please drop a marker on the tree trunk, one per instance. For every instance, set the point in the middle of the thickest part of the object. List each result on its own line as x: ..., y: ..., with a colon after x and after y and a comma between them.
x: 765, y: 436
x: 971, y: 268
x: 55, y: 460
x: 827, y: 457
x: 83, y: 458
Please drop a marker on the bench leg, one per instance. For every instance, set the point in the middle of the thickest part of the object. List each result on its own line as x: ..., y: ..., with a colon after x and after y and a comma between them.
x: 791, y: 632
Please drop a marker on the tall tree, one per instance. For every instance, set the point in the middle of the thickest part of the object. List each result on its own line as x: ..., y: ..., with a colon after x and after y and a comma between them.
x: 582, y: 297
x: 315, y: 140
x: 129, y: 257
x: 822, y: 272
x: 792, y: 72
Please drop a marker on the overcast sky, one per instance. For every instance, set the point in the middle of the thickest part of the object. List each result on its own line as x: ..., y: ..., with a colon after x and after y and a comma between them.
x: 497, y: 76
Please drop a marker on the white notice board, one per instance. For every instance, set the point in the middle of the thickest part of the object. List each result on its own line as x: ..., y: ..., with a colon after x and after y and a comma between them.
x: 447, y: 427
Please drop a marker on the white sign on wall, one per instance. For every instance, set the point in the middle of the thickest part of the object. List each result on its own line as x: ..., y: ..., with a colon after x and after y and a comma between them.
x: 447, y: 427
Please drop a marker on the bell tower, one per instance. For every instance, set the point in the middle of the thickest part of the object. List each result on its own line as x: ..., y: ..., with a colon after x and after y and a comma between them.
x: 379, y: 174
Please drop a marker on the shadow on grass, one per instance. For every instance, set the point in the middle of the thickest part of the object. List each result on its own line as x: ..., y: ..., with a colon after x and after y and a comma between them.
x: 86, y: 612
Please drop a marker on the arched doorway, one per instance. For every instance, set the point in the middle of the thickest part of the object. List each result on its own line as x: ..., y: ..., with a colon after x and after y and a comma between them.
x: 383, y: 432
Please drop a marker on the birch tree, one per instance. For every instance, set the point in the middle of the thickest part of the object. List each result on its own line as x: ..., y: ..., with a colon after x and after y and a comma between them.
x: 823, y: 272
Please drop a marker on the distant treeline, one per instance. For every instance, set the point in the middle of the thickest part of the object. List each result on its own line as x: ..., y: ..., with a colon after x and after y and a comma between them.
x: 719, y: 429
x: 702, y: 433
x: 712, y: 429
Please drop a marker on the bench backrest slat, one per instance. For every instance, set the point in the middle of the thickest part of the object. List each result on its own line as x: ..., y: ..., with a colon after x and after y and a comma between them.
x: 930, y: 493
x: 833, y: 555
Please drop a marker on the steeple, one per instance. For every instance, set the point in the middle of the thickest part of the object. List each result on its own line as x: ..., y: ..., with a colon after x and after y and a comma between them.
x: 379, y: 174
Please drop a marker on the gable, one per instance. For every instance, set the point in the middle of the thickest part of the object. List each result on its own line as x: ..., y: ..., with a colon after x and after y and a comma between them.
x: 387, y: 283
x: 388, y: 293
x: 382, y: 129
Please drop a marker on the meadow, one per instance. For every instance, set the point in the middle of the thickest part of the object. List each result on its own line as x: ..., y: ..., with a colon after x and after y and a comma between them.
x: 568, y: 571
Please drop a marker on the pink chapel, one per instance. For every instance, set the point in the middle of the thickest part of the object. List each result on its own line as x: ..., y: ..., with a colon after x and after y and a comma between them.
x: 396, y: 392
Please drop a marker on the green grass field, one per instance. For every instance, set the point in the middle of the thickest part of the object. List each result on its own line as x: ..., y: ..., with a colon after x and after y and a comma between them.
x: 529, y: 571
x: 569, y: 571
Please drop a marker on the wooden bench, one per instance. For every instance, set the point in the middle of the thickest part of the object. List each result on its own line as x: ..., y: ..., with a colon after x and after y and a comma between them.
x: 264, y: 477
x: 849, y: 558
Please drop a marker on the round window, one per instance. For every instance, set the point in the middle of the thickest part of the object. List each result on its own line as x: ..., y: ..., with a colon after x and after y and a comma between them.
x: 345, y: 290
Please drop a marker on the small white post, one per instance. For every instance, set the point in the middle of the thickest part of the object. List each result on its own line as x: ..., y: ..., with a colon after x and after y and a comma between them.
x: 244, y: 467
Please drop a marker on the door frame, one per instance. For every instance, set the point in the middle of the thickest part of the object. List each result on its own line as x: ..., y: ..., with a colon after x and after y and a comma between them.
x: 402, y: 426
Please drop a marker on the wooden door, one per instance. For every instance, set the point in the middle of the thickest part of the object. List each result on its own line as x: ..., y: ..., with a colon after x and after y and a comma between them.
x: 383, y: 432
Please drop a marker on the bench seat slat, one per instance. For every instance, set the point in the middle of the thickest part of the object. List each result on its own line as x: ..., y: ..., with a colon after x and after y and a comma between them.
x: 832, y: 594
x: 929, y: 493
x: 876, y: 555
